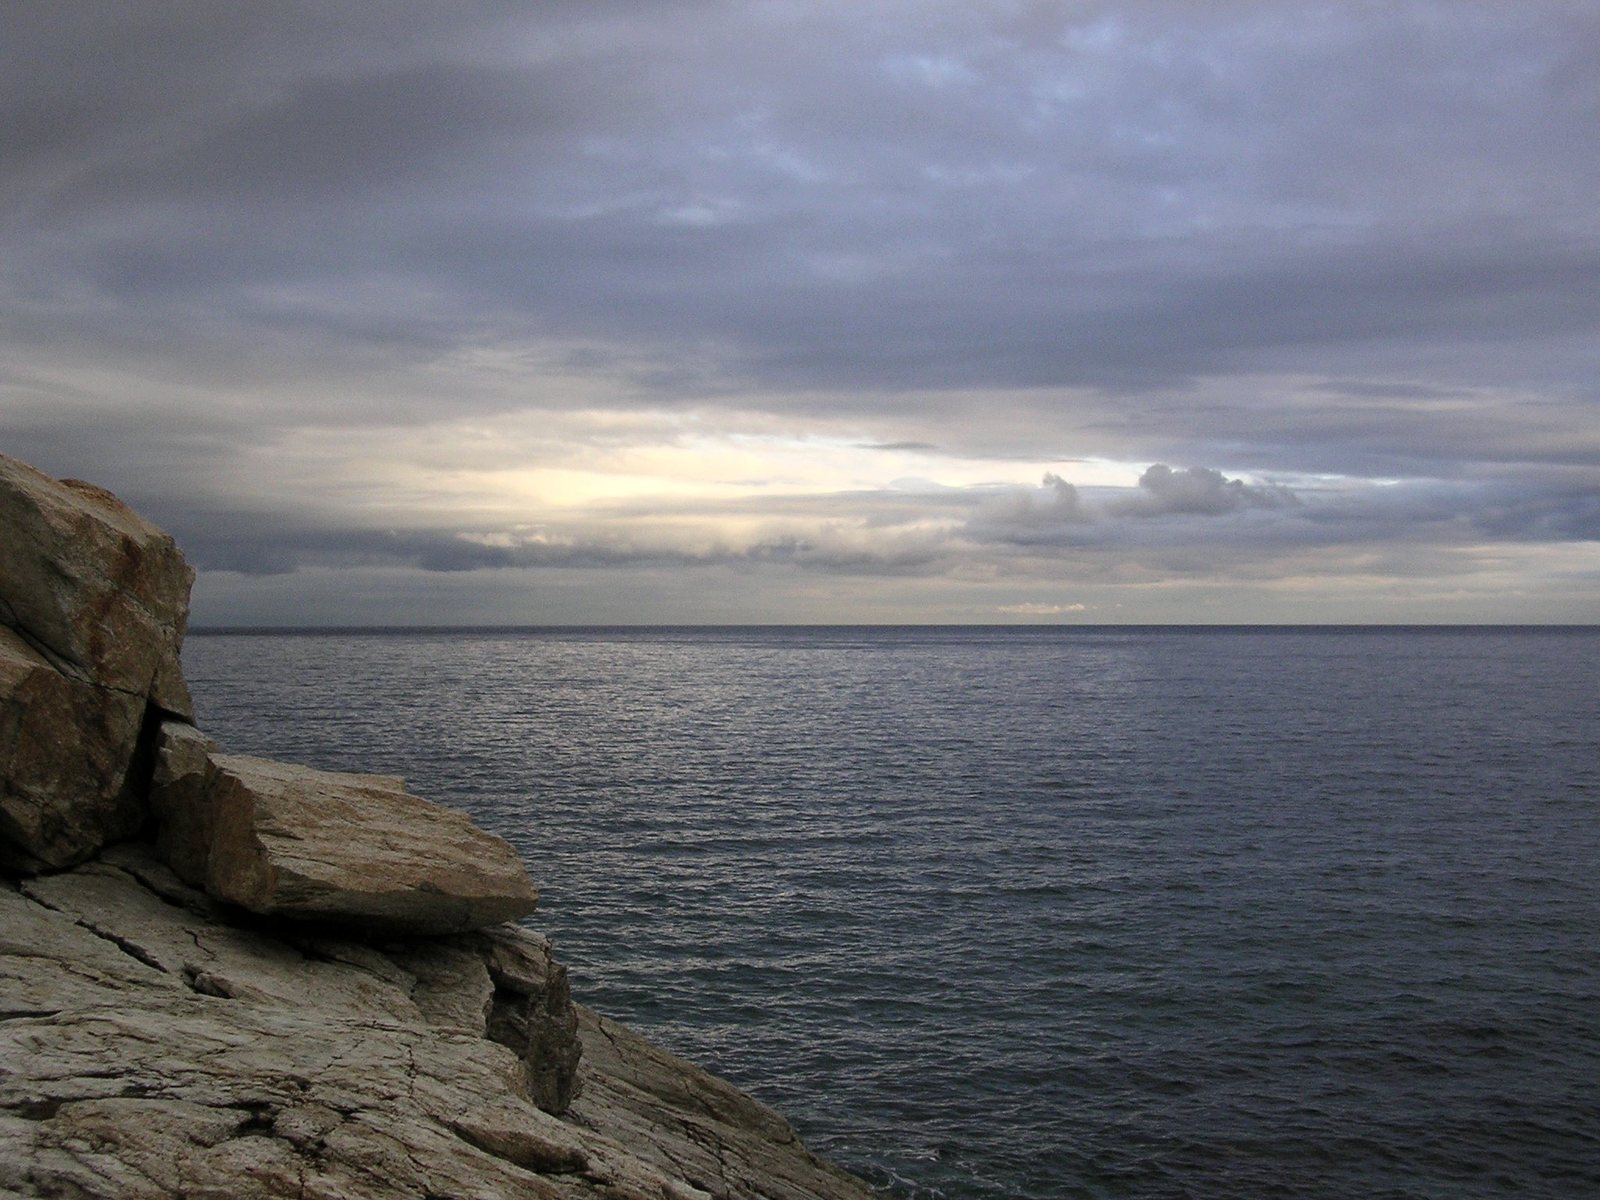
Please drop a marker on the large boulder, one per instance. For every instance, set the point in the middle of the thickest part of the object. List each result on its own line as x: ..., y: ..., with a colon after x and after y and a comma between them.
x: 93, y: 603
x: 96, y: 587
x: 66, y: 748
x: 292, y: 841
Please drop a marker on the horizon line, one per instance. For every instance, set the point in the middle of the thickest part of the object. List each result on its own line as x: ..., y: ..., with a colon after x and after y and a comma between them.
x: 642, y: 626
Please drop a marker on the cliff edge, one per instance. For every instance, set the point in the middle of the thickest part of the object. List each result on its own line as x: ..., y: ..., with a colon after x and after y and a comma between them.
x: 222, y: 976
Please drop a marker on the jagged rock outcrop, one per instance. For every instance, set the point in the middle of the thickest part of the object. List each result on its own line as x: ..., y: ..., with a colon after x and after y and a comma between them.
x: 531, y: 1012
x: 93, y: 602
x: 297, y: 842
x: 319, y: 997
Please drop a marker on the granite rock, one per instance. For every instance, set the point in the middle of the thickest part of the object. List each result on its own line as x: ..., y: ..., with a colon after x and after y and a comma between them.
x: 297, y: 842
x: 531, y: 1011
x: 93, y: 603
x: 66, y: 752
x: 93, y: 586
x: 152, y: 1045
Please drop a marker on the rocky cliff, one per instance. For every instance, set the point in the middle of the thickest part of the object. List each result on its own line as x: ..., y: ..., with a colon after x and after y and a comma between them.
x: 222, y: 976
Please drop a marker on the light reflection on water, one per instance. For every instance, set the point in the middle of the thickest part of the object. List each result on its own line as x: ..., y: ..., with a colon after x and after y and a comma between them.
x: 1035, y: 912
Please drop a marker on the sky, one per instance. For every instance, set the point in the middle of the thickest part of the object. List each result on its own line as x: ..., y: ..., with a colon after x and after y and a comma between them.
x: 693, y: 311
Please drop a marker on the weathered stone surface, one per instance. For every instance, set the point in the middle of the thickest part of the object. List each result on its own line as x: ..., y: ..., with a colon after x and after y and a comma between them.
x: 531, y: 1012
x: 692, y: 1125
x: 180, y: 799
x: 93, y: 602
x: 297, y: 842
x: 66, y: 748
x: 94, y: 586
x: 149, y: 1049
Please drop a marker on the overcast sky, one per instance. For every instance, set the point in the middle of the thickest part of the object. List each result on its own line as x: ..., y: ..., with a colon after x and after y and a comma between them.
x: 593, y: 311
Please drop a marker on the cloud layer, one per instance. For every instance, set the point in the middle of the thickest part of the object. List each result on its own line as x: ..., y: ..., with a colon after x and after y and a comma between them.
x: 1293, y: 306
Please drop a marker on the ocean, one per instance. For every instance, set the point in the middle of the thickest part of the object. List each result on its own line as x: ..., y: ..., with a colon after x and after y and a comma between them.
x: 1040, y: 912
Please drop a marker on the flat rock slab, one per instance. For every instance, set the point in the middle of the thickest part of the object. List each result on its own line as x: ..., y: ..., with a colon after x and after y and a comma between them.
x: 292, y: 841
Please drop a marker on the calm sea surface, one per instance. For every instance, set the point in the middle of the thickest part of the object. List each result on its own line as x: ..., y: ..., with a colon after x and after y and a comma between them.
x: 1041, y: 913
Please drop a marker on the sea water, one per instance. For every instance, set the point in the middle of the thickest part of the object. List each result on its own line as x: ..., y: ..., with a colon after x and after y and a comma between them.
x: 1040, y: 912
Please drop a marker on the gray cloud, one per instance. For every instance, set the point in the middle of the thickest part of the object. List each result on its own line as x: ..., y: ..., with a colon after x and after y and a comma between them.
x: 1089, y: 219
x: 1052, y: 514
x: 1306, y: 242
x: 1199, y: 491
x: 1262, y: 531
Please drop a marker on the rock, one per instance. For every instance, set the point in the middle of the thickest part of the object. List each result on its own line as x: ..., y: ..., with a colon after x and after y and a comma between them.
x: 151, y: 1049
x: 66, y: 749
x: 531, y: 1012
x: 92, y: 585
x: 93, y: 602
x: 688, y: 1123
x: 319, y: 845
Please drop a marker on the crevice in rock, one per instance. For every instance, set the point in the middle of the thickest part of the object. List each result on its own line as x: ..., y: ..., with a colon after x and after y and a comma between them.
x: 132, y: 949
x: 687, y: 1173
x: 707, y: 1139
x: 136, y: 859
x: 43, y: 1109
x: 27, y: 1014
x: 258, y: 1119
x: 67, y: 666
x: 142, y: 766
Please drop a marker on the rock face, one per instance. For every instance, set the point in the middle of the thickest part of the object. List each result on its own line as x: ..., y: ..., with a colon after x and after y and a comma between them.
x: 319, y: 997
x: 66, y: 750
x: 297, y: 842
x: 93, y: 602
x: 531, y: 1012
x: 93, y: 584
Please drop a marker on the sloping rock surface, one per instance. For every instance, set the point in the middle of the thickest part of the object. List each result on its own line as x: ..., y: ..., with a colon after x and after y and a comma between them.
x: 690, y: 1125
x: 148, y: 1048
x: 297, y: 842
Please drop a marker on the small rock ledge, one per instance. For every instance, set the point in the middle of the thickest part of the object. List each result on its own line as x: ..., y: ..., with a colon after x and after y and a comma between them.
x: 222, y: 976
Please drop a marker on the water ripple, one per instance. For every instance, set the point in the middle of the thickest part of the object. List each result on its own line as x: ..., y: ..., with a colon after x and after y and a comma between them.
x: 1040, y: 913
